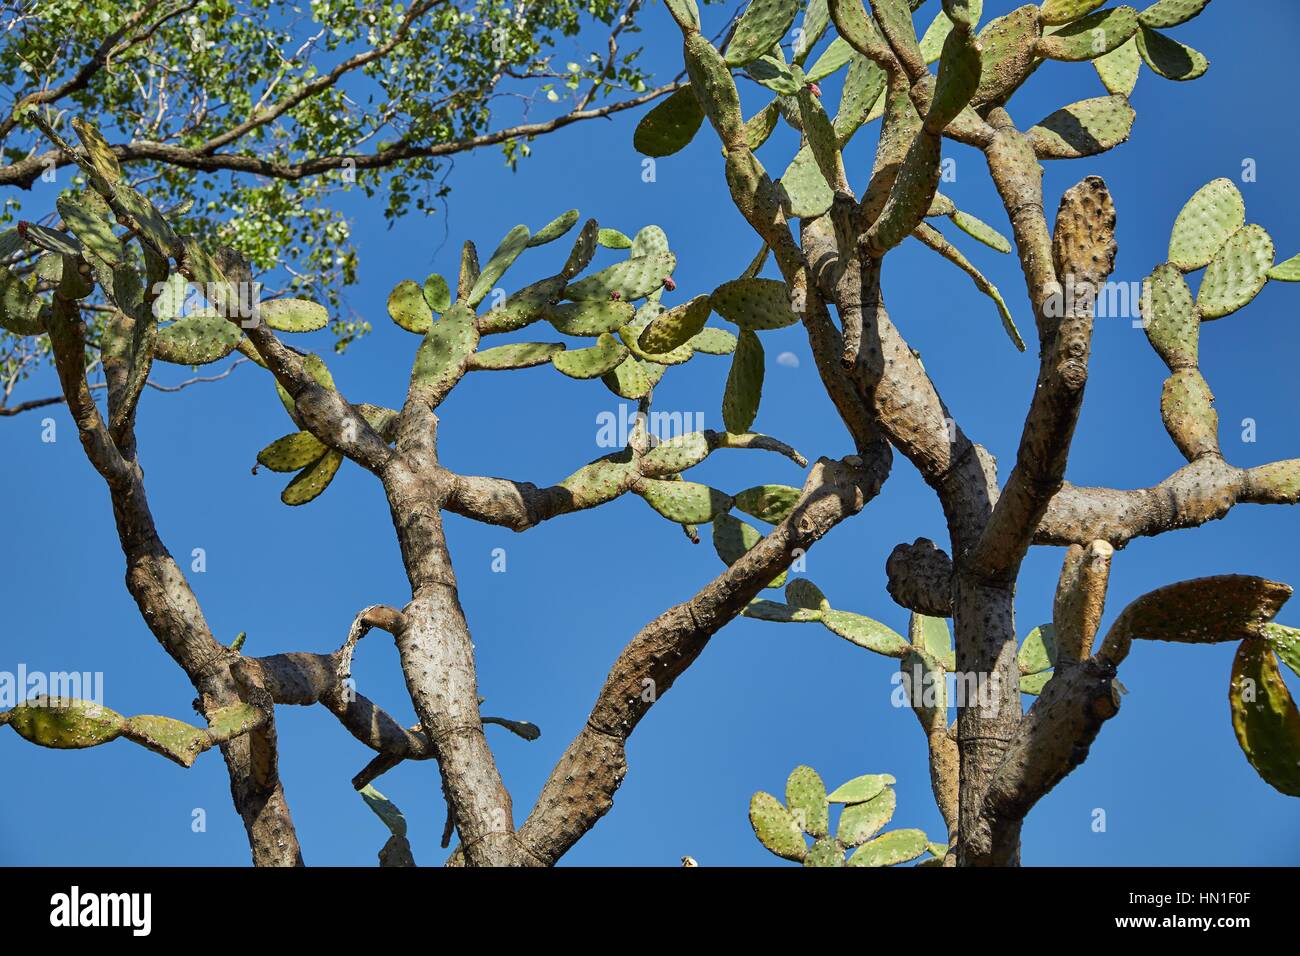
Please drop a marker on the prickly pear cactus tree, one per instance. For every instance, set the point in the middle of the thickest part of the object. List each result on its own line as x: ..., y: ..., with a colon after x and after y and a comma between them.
x: 824, y: 231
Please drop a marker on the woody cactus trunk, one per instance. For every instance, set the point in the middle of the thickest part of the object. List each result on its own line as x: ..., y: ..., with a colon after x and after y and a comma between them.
x: 829, y: 246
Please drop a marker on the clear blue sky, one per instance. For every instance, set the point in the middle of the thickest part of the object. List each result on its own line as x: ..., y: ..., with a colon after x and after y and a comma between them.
x: 764, y: 697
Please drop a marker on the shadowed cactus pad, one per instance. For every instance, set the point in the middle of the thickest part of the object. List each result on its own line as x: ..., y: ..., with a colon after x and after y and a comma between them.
x: 733, y: 537
x: 308, y: 484
x: 1264, y: 716
x: 770, y: 503
x: 1083, y: 129
x: 196, y: 339
x: 553, y: 230
x: 670, y: 126
x: 408, y: 307
x: 591, y: 362
x: 1093, y: 36
x: 676, y: 326
x: 762, y: 25
x: 590, y: 317
x: 1169, y: 58
x: 744, y: 388
x: 1055, y: 12
x: 630, y: 279
x: 756, y: 304
x: 292, y: 452
x: 1008, y: 45
x: 515, y: 241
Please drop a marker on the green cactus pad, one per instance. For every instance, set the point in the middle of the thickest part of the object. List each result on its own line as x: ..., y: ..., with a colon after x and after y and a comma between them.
x: 1055, y: 12
x: 802, y: 593
x: 20, y: 310
x: 1187, y: 409
x: 780, y: 613
x: 865, y: 632
x: 684, y: 502
x: 959, y: 77
x: 754, y: 304
x: 311, y: 481
x: 1264, y: 716
x: 676, y: 326
x: 864, y: 87
x: 591, y: 317
x: 816, y: 19
x: 805, y: 193
x: 712, y: 84
x: 292, y: 452
x: 1038, y: 651
x: 1169, y: 58
x: 860, y: 789
x: 1093, y: 36
x: 820, y: 136
x: 674, y: 455
x: 1210, y: 218
x: 553, y: 230
x: 602, y: 480
x: 631, y: 279
x: 805, y: 797
x: 825, y: 852
x: 584, y: 248
x: 894, y: 18
x: 469, y: 270
x: 442, y: 354
x: 888, y: 849
x: 911, y: 193
x: 294, y: 315
x: 776, y: 827
x: 854, y: 24
x: 517, y: 355
x: 409, y: 309
x: 1288, y: 271
x: 385, y: 809
x: 98, y: 151
x: 1083, y: 129
x: 670, y: 126
x: 197, y: 339
x: 744, y: 389
x: 771, y: 71
x: 1237, y: 274
x: 1120, y: 67
x: 760, y: 126
x: 650, y: 240
x: 633, y: 378
x: 733, y: 537
x: 978, y: 229
x: 613, y: 239
x: 1034, y: 683
x: 173, y: 739
x: 64, y: 723
x: 937, y: 641
x: 1171, y: 13
x: 1169, y: 315
x: 713, y: 342
x: 92, y: 231
x: 770, y: 503
x: 50, y: 240
x: 1008, y: 53
x: 145, y: 220
x: 515, y: 241
x: 591, y: 362
x: 835, y: 56
x: 523, y: 308
x: 762, y: 25
x: 859, y: 822
x: 437, y: 294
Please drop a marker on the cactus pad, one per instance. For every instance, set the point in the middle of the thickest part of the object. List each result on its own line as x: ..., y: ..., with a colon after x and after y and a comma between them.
x: 633, y: 378
x: 1210, y: 218
x: 591, y: 362
x: 675, y: 455
x: 1056, y: 12
x: 865, y: 632
x: 650, y: 240
x: 517, y: 355
x: 805, y: 192
x: 805, y: 797
x: 836, y: 55
x: 308, y: 484
x: 613, y: 239
x: 980, y: 230
x: 859, y: 822
x: 1168, y: 57
x: 888, y: 849
x: 1264, y: 716
x: 1083, y: 129
x: 385, y: 809
x: 776, y: 827
x: 803, y: 593
x: 1120, y: 67
x: 863, y: 89
x: 685, y: 12
x: 733, y: 537
x: 409, y: 309
x: 959, y: 77
x: 584, y: 247
x: 197, y: 339
x: 65, y: 724
x: 1008, y: 53
x: 602, y: 480
x: 437, y: 294
x: 713, y: 342
x: 631, y: 279
x: 1237, y: 273
x: 1170, y: 318
x: 744, y: 388
x: 712, y: 84
x: 442, y: 354
x: 590, y: 317
x: 1038, y: 650
x: 1171, y: 13
x: 1288, y: 271
x: 861, y: 789
x: 293, y: 315
x: 670, y: 126
x: 515, y: 241
x: 676, y: 326
x: 553, y: 230
x: 770, y: 503
x: 1187, y: 408
x: 754, y: 304
x: 685, y: 502
x: 523, y: 308
x: 762, y: 25
x: 825, y: 852
x: 20, y: 310
x: 1093, y: 36
x: 780, y: 613
x: 292, y: 452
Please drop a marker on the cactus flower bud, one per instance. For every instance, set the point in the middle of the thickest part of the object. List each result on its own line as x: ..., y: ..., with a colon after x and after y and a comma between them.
x: 815, y: 90
x: 615, y: 295
x: 669, y: 284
